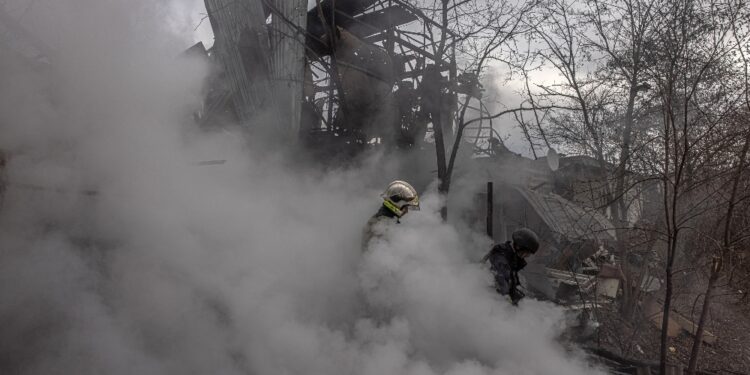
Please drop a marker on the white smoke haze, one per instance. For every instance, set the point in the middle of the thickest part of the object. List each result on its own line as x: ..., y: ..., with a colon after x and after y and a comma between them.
x: 118, y: 255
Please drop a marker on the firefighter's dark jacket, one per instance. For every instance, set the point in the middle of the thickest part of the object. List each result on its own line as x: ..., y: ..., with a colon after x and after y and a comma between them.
x: 368, y: 233
x: 504, y: 265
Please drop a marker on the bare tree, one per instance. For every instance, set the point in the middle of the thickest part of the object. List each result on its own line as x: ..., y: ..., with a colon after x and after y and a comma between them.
x: 609, y: 54
x: 481, y: 32
x: 740, y: 42
x: 621, y: 31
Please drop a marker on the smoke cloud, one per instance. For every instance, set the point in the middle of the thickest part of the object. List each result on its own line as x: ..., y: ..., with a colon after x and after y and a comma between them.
x: 120, y: 255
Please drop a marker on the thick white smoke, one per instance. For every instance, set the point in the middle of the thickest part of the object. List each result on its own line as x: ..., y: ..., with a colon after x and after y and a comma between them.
x: 119, y: 255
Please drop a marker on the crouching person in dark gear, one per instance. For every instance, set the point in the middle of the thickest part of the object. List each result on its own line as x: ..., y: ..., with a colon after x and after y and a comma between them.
x: 506, y: 259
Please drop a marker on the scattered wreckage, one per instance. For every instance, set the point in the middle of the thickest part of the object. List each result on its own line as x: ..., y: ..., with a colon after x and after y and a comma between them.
x: 576, y: 266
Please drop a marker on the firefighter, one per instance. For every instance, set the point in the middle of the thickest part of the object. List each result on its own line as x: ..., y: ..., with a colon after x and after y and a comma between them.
x: 398, y: 198
x: 506, y: 259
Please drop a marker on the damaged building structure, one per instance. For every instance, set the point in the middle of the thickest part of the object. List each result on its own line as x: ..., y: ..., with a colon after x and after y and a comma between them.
x: 577, y: 266
x: 330, y: 71
x: 577, y: 237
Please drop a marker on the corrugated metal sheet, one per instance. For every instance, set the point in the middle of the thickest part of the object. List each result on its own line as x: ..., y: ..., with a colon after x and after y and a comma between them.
x: 568, y: 220
x: 288, y: 60
x: 230, y: 19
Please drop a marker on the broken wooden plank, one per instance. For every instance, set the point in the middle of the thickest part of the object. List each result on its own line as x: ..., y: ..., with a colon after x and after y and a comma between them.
x: 608, y: 281
x: 677, y: 322
x: 654, y: 313
x: 689, y: 326
x: 673, y: 329
x: 584, y: 282
x: 607, y: 287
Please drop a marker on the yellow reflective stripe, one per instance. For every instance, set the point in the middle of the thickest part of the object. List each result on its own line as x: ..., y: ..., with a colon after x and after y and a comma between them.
x: 393, y: 207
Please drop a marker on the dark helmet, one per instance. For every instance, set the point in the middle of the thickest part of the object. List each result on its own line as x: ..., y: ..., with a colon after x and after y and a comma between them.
x: 525, y: 239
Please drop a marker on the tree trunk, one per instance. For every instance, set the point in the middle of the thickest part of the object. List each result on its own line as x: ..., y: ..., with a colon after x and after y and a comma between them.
x: 443, y: 178
x: 702, y: 321
x: 437, y: 124
x: 628, y: 304
x: 665, y: 323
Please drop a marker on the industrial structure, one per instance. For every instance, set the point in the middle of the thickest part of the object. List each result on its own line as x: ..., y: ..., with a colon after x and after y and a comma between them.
x: 346, y: 74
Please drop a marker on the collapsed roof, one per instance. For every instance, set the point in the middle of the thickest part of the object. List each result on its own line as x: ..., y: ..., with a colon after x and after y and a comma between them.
x: 567, y: 220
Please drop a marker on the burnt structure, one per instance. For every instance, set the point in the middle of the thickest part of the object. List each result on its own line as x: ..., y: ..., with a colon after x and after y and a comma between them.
x: 346, y: 74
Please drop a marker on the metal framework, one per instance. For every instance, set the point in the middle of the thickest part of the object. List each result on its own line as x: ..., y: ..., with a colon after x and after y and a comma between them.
x: 314, y: 63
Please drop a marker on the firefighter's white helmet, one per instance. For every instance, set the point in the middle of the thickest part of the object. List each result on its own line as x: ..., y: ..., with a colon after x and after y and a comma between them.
x: 399, y: 197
